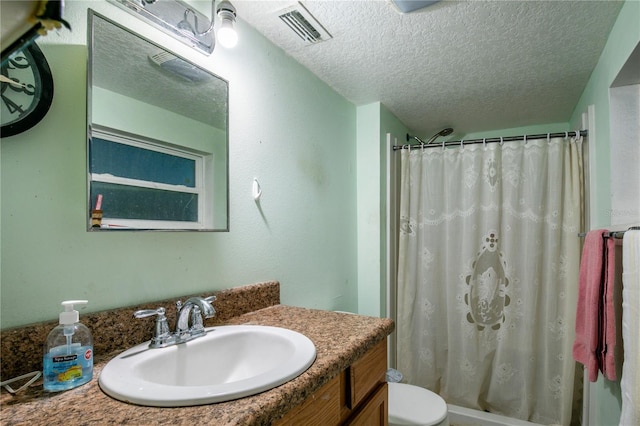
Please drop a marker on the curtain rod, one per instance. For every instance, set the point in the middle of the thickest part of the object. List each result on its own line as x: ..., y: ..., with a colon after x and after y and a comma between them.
x: 493, y: 140
x: 613, y: 234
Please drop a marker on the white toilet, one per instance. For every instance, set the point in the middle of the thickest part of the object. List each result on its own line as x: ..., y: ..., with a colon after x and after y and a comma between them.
x: 415, y: 406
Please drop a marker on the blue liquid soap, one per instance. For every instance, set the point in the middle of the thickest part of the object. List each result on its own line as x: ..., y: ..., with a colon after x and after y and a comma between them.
x: 68, y: 352
x: 67, y: 367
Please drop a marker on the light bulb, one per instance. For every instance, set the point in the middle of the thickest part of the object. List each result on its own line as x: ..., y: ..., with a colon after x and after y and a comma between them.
x: 227, y: 35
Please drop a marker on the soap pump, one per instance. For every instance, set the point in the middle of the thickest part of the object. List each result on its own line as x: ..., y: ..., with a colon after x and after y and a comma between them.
x: 68, y: 352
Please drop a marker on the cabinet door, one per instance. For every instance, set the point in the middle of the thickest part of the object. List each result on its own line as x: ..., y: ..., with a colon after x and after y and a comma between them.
x: 367, y: 372
x: 322, y: 408
x: 375, y: 411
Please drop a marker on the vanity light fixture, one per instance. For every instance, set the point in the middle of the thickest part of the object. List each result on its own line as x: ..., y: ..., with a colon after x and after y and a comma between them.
x: 181, y: 21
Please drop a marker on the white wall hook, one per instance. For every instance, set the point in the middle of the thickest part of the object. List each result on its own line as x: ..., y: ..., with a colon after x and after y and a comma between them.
x: 257, y: 190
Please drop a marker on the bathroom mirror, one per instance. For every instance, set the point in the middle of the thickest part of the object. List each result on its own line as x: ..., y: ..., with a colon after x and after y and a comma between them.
x: 157, y: 136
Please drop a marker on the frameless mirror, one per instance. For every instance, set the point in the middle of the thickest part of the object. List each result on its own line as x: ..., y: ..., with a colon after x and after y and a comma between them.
x: 157, y: 127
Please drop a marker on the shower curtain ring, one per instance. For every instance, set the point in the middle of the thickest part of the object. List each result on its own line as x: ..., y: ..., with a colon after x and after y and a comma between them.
x: 566, y: 135
x: 501, y: 141
x: 443, y: 145
x: 525, y: 139
x: 484, y: 143
x: 577, y: 134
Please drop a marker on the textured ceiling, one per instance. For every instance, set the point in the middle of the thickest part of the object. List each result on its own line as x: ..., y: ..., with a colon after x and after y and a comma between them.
x: 471, y: 65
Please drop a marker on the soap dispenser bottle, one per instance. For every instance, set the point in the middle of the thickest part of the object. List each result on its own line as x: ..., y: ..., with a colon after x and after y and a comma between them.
x: 68, y: 352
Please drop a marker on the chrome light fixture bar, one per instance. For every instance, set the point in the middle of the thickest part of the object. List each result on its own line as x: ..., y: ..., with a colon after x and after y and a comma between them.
x: 181, y: 21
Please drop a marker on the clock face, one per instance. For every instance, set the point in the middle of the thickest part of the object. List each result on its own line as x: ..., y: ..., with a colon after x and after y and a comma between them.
x: 26, y: 90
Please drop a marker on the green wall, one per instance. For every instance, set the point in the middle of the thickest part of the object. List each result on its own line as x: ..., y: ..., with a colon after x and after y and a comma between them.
x: 605, y: 400
x: 287, y: 129
x: 623, y: 38
x: 373, y: 123
x: 369, y: 162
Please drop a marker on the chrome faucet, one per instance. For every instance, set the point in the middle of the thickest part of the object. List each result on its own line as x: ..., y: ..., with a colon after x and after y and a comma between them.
x: 193, y: 309
x: 189, y: 324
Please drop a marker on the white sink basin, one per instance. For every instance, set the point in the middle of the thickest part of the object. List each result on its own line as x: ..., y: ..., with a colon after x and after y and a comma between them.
x: 230, y: 362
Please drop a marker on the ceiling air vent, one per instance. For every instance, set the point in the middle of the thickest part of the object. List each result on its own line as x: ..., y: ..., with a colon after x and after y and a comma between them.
x: 304, y: 24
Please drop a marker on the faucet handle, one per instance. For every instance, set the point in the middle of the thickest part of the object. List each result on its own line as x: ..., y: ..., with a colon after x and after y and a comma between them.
x: 144, y: 313
x: 162, y: 336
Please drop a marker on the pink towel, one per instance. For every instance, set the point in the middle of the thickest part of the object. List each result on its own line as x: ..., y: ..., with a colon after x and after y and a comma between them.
x: 608, y: 322
x: 586, y: 347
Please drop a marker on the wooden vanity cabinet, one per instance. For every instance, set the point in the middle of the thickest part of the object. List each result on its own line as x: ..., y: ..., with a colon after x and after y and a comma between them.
x: 357, y: 396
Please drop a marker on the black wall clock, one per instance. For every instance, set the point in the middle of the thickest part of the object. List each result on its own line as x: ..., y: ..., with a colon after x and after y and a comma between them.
x: 26, y: 90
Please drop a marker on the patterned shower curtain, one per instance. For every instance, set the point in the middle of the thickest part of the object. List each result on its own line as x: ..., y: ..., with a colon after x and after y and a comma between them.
x: 487, y: 274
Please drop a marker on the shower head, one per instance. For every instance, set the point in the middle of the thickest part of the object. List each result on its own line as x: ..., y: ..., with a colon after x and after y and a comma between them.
x: 444, y: 132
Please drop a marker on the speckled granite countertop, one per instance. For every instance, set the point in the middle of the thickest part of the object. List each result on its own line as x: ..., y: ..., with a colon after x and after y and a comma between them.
x: 340, y: 339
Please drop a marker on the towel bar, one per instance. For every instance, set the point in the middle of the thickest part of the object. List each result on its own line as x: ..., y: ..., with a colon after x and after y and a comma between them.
x: 614, y: 234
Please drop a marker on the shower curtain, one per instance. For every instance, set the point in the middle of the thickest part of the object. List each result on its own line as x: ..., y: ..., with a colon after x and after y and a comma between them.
x: 487, y: 274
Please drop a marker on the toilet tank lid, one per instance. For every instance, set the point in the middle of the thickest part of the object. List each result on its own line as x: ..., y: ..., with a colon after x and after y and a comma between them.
x: 411, y: 404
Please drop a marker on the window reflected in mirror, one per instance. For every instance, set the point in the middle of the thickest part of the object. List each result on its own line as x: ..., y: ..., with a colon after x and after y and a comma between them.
x: 145, y: 185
